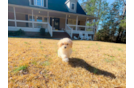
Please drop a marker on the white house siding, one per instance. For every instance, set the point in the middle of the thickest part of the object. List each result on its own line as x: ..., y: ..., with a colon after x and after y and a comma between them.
x: 68, y: 4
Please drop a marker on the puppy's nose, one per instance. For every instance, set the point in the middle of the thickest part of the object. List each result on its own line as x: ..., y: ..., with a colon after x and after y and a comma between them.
x: 65, y: 47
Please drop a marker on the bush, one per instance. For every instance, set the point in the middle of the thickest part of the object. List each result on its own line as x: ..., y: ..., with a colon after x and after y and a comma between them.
x: 16, y: 33
x: 19, y: 32
x: 42, y: 31
x: 10, y: 33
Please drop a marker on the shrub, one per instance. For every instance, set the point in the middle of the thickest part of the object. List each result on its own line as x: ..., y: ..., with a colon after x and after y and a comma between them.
x: 16, y: 33
x: 19, y: 32
x: 10, y: 33
x: 42, y: 31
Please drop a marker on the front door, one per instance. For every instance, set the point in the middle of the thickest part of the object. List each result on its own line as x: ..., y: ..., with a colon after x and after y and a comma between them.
x: 56, y: 23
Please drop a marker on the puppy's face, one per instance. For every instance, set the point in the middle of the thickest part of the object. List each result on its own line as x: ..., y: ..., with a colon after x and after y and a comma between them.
x: 65, y: 43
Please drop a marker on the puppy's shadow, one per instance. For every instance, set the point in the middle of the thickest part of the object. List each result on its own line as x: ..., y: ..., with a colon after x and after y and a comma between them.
x: 76, y: 62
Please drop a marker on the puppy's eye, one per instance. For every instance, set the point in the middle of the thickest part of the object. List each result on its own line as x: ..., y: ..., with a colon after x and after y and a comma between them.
x: 67, y: 44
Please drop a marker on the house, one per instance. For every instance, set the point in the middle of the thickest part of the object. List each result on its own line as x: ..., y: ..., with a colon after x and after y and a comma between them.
x: 56, y: 16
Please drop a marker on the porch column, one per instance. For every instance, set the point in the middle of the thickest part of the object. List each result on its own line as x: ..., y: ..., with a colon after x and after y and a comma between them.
x: 76, y: 23
x: 15, y: 16
x: 48, y: 17
x: 85, y: 24
x: 32, y: 20
x: 65, y: 21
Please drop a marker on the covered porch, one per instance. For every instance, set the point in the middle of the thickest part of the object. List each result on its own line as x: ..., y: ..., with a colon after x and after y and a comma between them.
x: 31, y: 19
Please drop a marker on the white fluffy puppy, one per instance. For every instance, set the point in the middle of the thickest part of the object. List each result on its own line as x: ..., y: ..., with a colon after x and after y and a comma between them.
x: 65, y: 49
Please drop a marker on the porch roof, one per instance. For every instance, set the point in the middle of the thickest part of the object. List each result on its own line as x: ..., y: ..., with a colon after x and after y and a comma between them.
x: 60, y: 13
x: 58, y: 5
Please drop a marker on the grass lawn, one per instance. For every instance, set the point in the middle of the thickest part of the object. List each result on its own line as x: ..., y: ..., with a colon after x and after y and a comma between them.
x: 34, y: 63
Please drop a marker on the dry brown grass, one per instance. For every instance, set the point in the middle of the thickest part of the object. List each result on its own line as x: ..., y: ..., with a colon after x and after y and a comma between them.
x: 33, y: 63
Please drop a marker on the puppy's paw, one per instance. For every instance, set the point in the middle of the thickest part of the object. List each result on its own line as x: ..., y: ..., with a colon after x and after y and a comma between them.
x: 65, y: 59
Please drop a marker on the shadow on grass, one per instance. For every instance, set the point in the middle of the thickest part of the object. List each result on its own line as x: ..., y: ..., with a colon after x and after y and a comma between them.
x: 76, y: 62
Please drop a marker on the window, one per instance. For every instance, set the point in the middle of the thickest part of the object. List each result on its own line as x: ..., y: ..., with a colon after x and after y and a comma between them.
x: 45, y: 19
x: 72, y: 6
x: 45, y: 4
x: 30, y: 19
x: 32, y: 2
x: 39, y: 19
x: 39, y: 3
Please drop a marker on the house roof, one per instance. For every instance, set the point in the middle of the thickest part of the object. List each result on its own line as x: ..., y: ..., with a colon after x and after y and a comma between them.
x: 58, y: 5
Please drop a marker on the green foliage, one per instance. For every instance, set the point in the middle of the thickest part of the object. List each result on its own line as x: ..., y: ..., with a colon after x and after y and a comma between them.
x: 123, y: 23
x: 20, y: 32
x: 16, y: 33
x: 111, y: 19
x: 23, y: 68
x: 102, y: 35
x: 10, y: 33
x: 97, y: 8
x: 42, y: 31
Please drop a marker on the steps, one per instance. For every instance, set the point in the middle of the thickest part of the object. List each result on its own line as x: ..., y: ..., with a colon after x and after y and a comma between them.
x: 60, y: 35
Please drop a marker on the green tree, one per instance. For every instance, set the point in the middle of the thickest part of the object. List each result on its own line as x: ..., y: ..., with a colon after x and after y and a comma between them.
x: 112, y: 19
x: 115, y: 22
x: 97, y: 8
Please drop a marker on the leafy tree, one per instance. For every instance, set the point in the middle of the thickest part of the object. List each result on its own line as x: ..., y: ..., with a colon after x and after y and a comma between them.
x: 112, y: 19
x: 97, y: 8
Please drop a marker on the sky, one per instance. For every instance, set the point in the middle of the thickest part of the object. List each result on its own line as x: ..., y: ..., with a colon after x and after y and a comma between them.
x: 110, y: 1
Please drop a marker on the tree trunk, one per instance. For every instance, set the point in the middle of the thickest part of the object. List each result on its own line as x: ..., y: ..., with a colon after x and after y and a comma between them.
x: 121, y: 36
x: 95, y: 32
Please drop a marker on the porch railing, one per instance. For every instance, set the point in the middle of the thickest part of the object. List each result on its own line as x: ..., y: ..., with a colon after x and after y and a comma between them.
x: 84, y: 28
x: 69, y: 30
x: 50, y: 30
